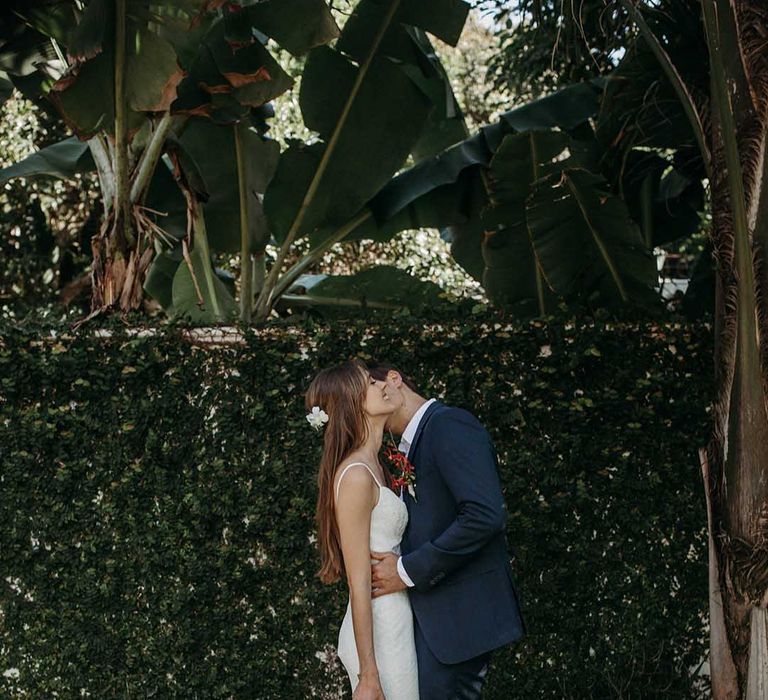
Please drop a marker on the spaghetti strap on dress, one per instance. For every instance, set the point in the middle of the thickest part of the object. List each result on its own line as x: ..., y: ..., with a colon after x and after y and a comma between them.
x: 346, y: 469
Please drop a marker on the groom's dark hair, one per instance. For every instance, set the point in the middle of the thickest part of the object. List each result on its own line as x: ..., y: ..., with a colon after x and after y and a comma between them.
x: 379, y: 371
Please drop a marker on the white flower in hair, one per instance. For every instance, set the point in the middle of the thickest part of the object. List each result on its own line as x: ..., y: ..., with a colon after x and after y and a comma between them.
x: 317, y: 417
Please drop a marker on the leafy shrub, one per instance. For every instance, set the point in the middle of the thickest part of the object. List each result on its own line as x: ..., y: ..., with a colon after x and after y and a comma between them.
x: 156, y: 501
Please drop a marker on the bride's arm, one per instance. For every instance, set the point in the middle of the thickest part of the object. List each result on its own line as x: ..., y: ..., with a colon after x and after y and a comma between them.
x: 353, y: 513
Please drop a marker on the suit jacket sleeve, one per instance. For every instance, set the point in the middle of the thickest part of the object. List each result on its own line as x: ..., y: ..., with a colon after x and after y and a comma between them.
x: 465, y: 457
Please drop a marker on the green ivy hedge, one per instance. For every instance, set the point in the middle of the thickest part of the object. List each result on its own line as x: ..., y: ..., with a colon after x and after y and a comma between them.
x: 156, y: 501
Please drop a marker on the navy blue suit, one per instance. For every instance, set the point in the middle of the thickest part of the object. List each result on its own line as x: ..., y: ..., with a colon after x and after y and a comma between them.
x: 454, y: 549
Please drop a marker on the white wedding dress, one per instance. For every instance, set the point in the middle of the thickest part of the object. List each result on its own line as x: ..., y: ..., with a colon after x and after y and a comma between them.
x: 392, y: 617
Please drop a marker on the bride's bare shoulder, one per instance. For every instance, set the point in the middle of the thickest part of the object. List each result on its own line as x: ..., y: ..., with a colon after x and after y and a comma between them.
x: 352, y: 477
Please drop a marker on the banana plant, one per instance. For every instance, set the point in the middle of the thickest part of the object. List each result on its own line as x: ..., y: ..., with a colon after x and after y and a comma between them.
x: 398, y: 104
x: 737, y: 458
x: 380, y: 90
x: 483, y: 191
x: 566, y: 198
x: 529, y: 212
x: 375, y: 98
x: 731, y: 124
x: 139, y: 77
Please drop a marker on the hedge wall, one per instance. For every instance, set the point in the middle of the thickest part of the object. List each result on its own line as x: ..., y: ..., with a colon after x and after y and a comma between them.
x: 156, y: 501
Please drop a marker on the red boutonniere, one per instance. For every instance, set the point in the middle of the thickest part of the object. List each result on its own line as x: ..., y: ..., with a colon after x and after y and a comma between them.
x: 403, y: 475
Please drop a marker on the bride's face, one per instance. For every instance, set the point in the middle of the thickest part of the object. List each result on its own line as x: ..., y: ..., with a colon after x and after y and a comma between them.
x: 377, y: 400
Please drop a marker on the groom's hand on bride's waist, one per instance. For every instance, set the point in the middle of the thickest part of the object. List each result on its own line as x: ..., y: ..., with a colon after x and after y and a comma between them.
x: 384, y: 576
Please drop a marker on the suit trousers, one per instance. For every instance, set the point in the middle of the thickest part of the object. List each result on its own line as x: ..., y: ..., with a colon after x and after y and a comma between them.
x: 439, y: 681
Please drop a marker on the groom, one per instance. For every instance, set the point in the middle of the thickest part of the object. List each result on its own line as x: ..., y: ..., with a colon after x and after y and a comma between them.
x: 454, y: 553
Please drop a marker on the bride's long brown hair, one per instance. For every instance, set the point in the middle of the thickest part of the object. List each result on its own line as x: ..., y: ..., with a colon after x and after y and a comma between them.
x: 340, y: 392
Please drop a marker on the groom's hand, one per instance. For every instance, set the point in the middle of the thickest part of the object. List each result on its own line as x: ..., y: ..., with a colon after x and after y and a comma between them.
x: 384, y: 576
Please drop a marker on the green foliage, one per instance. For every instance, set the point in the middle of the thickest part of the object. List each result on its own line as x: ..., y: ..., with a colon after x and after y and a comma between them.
x: 64, y: 159
x: 45, y: 223
x: 609, y: 134
x: 156, y: 503
x: 573, y: 218
x: 376, y: 91
x: 545, y: 44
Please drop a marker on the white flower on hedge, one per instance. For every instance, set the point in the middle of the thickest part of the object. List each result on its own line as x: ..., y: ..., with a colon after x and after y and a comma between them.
x: 545, y: 351
x: 317, y: 417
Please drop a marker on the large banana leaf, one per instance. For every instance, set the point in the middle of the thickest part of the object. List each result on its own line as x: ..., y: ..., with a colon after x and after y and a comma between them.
x: 443, y: 206
x: 376, y: 287
x: 511, y: 270
x: 586, y: 241
x: 566, y: 109
x: 448, y: 190
x: 467, y: 233
x: 442, y: 18
x: 64, y: 160
x: 445, y: 125
x: 184, y: 297
x: 231, y: 71
x: 407, y: 43
x: 202, y: 297
x: 85, y: 96
x: 384, y: 119
x: 224, y: 81
x: 214, y: 151
x: 297, y: 25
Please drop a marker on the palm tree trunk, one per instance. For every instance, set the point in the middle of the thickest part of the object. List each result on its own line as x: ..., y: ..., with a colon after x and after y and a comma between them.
x: 736, y: 476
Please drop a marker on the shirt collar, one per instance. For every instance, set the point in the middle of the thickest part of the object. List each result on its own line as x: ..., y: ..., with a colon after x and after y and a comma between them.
x: 410, y: 430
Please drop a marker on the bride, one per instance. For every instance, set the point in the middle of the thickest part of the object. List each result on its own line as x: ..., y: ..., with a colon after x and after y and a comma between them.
x: 357, y: 514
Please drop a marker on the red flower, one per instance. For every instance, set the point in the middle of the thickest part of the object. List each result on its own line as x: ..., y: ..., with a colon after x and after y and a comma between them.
x: 403, y: 474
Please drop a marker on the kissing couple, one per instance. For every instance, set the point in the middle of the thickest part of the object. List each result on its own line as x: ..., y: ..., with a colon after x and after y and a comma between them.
x: 424, y: 554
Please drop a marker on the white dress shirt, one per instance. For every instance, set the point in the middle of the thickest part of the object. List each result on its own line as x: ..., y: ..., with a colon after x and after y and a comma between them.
x: 405, y: 447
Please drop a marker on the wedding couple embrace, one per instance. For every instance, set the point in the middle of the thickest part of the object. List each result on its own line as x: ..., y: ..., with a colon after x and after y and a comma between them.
x: 430, y: 585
